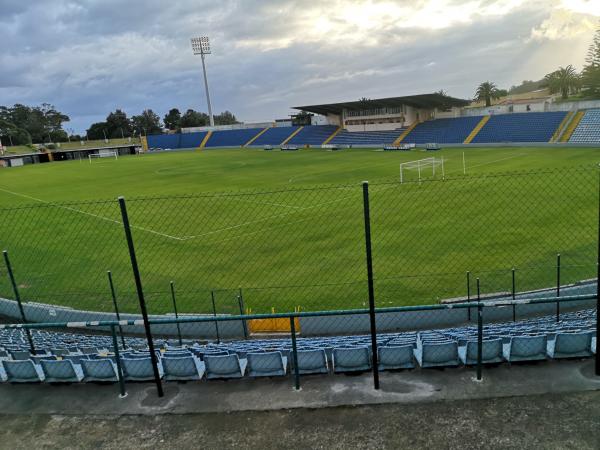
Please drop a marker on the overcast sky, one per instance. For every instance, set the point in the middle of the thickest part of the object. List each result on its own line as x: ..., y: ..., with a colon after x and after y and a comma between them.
x: 91, y: 57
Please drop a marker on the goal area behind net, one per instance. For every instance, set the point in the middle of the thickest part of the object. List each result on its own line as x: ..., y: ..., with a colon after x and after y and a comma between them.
x: 422, y: 166
x: 103, y: 154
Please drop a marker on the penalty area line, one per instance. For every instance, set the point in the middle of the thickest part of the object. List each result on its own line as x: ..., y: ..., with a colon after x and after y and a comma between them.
x: 96, y: 216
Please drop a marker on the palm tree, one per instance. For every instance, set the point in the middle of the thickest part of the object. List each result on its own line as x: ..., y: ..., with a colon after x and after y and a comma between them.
x: 487, y: 91
x: 564, y: 80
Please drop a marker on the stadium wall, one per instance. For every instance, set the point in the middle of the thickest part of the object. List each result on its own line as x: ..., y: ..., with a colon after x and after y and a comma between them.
x: 419, y: 318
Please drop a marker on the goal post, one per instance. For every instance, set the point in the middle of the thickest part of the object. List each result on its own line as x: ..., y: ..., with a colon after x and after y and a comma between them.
x: 422, y: 164
x: 103, y: 154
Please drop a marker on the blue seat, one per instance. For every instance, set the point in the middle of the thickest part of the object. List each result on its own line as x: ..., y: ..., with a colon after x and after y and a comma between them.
x: 525, y: 348
x: 438, y: 354
x: 23, y: 372
x: 20, y: 355
x: 396, y: 357
x: 140, y: 369
x: 570, y: 345
x: 312, y: 361
x: 491, y: 352
x: 99, y: 370
x: 183, y: 368
x: 351, y: 359
x: 61, y: 371
x: 267, y: 364
x: 225, y: 366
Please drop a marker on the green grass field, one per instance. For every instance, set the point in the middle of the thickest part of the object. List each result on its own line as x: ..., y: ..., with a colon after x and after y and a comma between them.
x: 288, y: 244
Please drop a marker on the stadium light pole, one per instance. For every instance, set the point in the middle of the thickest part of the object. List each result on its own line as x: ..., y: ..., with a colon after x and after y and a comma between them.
x: 201, y: 46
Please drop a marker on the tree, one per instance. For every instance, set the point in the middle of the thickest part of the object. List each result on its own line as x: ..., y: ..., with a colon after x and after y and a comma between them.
x: 148, y: 122
x: 590, y: 76
x: 40, y: 123
x: 565, y: 81
x: 172, y: 119
x: 225, y: 118
x: 118, y: 125
x: 193, y: 118
x: 487, y: 91
x: 12, y: 135
x: 97, y: 131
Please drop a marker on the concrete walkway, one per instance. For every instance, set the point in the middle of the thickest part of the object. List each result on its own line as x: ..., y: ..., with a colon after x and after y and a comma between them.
x: 549, y: 377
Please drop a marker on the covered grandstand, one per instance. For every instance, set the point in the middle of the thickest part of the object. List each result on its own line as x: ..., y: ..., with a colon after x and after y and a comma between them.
x: 414, y: 119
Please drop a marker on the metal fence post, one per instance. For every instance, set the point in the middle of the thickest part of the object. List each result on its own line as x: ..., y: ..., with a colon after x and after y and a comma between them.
x: 469, y: 295
x: 140, y: 293
x: 479, y: 333
x: 371, y: 288
x: 114, y: 299
x: 212, y: 296
x: 13, y: 282
x: 597, y: 362
x: 123, y: 394
x: 176, y: 314
x: 241, y: 305
x: 295, y: 353
x: 514, y: 288
x: 558, y: 287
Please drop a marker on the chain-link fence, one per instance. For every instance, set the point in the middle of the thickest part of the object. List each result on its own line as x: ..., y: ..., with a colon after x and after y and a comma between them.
x: 248, y: 269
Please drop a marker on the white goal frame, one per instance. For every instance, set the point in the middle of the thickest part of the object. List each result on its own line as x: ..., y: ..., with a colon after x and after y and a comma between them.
x: 104, y: 154
x: 421, y: 164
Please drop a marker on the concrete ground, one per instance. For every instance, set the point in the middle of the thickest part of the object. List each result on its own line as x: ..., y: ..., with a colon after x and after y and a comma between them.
x: 547, y: 405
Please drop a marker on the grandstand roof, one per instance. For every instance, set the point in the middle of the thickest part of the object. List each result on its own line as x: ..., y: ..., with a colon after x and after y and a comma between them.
x: 426, y: 101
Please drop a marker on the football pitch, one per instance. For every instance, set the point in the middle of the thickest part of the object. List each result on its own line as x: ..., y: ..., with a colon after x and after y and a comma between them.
x: 286, y: 229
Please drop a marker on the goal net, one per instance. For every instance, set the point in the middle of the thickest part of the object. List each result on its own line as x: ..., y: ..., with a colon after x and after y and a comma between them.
x: 103, y: 154
x: 422, y: 166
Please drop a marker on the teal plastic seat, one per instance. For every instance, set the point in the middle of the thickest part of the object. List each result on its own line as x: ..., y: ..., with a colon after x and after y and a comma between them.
x: 61, y: 371
x: 570, y: 345
x: 225, y: 366
x: 267, y: 364
x: 351, y: 359
x: 23, y: 372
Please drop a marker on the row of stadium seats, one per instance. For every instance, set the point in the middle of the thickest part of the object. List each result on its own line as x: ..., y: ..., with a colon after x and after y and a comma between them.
x: 442, y: 131
x: 275, y: 136
x: 520, y: 127
x: 313, y: 135
x: 367, y: 137
x: 588, y: 130
x: 64, y: 359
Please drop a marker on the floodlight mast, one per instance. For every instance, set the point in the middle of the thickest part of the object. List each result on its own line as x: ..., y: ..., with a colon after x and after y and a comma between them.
x: 201, y: 46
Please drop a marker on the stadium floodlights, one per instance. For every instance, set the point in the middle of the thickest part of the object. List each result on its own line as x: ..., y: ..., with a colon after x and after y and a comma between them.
x: 201, y: 46
x: 420, y: 165
x: 103, y: 154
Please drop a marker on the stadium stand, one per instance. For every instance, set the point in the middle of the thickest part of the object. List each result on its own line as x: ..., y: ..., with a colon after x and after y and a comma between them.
x: 313, y: 135
x: 588, y: 130
x: 232, y: 138
x: 274, y: 136
x: 164, y: 141
x: 345, y: 137
x: 520, y: 127
x: 89, y: 358
x: 191, y: 140
x: 445, y: 131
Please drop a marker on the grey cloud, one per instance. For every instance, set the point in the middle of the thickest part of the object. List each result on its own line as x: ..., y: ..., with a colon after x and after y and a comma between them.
x: 90, y: 57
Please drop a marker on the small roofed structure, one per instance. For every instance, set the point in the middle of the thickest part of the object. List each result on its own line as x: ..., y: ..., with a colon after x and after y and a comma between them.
x: 387, y: 113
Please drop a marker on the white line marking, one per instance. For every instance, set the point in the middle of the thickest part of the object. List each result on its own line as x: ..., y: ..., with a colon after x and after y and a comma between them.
x: 68, y: 208
x: 185, y: 238
x: 495, y: 161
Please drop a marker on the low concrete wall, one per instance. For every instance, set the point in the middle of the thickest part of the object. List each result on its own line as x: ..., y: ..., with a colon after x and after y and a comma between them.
x: 37, y: 312
x: 324, y: 325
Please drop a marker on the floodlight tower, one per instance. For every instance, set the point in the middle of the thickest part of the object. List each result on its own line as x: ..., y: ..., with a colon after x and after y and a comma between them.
x: 201, y: 46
